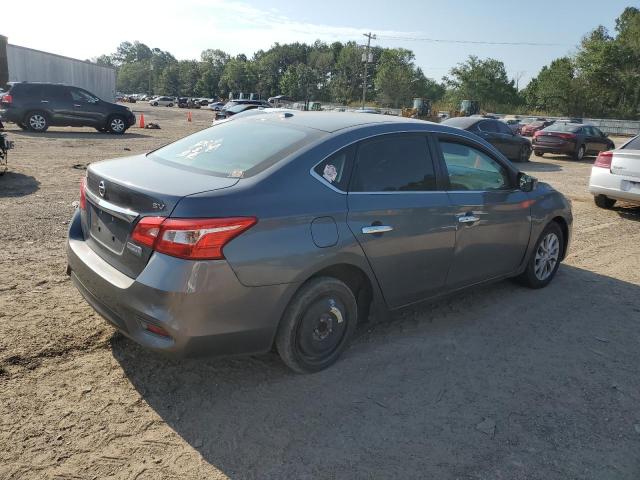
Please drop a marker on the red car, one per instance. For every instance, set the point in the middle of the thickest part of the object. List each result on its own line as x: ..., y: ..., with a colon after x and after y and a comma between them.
x: 530, y: 129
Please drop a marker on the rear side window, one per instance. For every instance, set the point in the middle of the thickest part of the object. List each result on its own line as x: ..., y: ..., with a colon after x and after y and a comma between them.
x: 634, y: 144
x: 26, y: 90
x: 237, y: 149
x: 335, y: 169
x: 487, y: 126
x: 502, y: 128
x: 394, y: 163
x: 471, y: 169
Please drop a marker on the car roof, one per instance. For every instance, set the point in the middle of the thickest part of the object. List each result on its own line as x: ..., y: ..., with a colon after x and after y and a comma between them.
x: 463, y: 122
x: 333, y: 121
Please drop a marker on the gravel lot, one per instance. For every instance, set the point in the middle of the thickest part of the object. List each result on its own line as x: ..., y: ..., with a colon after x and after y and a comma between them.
x: 498, y: 383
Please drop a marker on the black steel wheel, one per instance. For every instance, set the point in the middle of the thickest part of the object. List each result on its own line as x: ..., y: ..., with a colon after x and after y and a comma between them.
x: 317, y: 325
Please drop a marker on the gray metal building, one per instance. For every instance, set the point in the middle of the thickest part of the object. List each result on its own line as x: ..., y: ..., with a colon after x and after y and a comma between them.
x: 29, y: 65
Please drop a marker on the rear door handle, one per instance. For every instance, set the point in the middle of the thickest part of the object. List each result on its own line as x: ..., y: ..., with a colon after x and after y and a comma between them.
x: 468, y: 219
x: 77, y: 105
x: 44, y: 101
x: 376, y: 229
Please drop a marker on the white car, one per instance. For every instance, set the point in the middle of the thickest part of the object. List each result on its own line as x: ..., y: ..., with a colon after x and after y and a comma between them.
x: 615, y: 175
x: 162, y: 101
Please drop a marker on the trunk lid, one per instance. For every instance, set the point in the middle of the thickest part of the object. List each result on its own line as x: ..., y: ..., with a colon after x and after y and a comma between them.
x: 121, y: 191
x: 626, y: 163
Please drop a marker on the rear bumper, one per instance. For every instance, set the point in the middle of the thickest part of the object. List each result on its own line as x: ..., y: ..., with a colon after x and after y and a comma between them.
x: 564, y: 148
x: 202, y: 305
x: 618, y: 187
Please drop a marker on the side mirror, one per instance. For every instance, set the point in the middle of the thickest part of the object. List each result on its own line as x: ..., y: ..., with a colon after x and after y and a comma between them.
x: 527, y: 183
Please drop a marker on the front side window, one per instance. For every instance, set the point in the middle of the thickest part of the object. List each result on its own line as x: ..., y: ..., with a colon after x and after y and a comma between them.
x: 394, y: 163
x: 487, y: 126
x: 471, y: 169
x: 502, y: 128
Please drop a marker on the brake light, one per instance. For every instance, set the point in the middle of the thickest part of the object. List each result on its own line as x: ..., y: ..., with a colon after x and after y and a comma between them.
x: 6, y: 98
x: 537, y: 134
x: 566, y: 136
x: 83, y: 194
x: 604, y: 160
x: 196, y: 239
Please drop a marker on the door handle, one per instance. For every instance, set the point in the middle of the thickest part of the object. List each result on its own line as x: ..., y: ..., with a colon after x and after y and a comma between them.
x: 468, y: 219
x: 77, y: 105
x: 373, y: 229
x: 44, y: 101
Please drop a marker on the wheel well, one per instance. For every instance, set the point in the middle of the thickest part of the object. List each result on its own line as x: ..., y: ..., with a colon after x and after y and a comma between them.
x: 357, y: 281
x: 562, y: 223
x: 31, y: 112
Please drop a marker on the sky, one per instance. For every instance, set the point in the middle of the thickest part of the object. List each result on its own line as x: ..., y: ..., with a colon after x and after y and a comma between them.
x: 89, y: 28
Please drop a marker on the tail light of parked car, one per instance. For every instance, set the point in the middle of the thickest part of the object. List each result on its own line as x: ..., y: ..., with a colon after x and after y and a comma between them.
x: 83, y: 194
x: 604, y: 160
x: 193, y: 239
x: 6, y: 98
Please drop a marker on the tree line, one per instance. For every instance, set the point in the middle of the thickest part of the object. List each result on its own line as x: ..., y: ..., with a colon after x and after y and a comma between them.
x: 602, y: 78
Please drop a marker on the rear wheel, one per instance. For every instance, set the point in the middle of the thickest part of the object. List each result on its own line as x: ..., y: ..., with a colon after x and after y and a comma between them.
x: 37, y: 122
x: 603, y: 201
x: 317, y: 325
x: 579, y: 153
x: 170, y: 105
x: 155, y: 104
x: 545, y: 259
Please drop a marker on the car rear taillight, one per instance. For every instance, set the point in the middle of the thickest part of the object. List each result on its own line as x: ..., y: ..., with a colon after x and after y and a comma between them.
x: 195, y: 239
x: 6, y: 98
x: 566, y: 136
x: 604, y: 160
x: 83, y: 194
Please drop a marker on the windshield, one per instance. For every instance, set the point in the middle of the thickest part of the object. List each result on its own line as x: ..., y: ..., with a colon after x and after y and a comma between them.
x: 237, y: 149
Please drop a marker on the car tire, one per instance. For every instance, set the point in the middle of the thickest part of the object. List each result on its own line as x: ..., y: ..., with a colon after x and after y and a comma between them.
x: 579, y: 153
x: 525, y: 154
x: 538, y: 154
x: 317, y: 325
x: 170, y: 105
x: 155, y: 104
x: 117, y: 125
x: 603, y: 201
x: 37, y: 121
x: 545, y: 258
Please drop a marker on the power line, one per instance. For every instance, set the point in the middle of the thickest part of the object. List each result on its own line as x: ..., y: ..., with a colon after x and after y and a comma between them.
x: 473, y: 42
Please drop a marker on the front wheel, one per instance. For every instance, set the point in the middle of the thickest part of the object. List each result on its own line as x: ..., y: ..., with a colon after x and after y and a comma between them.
x: 170, y: 105
x: 117, y: 125
x: 538, y: 153
x: 525, y: 153
x: 545, y: 259
x: 317, y: 325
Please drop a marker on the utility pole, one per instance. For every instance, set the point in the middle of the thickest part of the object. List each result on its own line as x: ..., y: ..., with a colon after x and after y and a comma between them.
x: 366, y: 58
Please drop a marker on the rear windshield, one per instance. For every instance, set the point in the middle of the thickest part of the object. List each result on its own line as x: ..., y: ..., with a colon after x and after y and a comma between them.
x: 634, y: 144
x: 563, y: 127
x: 236, y: 149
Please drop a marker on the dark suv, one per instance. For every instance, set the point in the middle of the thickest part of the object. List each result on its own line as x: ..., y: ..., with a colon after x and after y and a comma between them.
x: 37, y: 106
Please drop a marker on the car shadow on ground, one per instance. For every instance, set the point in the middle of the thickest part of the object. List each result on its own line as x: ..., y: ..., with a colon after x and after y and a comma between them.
x: 499, y: 382
x: 76, y: 135
x: 14, y: 184
x: 540, y: 167
x: 565, y: 158
x: 628, y: 211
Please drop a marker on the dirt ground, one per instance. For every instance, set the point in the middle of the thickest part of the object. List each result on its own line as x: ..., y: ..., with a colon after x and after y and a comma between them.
x: 497, y: 383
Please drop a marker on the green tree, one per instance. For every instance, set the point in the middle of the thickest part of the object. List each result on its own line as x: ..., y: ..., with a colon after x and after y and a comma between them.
x: 395, y: 77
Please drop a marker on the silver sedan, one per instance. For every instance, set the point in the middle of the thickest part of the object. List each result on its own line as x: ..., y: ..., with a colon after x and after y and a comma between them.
x: 616, y: 175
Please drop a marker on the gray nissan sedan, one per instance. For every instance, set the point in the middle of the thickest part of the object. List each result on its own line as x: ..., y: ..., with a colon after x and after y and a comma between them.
x: 284, y: 229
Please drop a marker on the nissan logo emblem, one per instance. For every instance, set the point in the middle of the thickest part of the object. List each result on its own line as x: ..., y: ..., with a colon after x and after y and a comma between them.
x: 101, y: 188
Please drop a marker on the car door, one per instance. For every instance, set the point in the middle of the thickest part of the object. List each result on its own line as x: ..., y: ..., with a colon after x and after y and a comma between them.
x: 86, y: 108
x: 403, y: 222
x: 601, y: 141
x: 488, y: 131
x: 492, y: 215
x: 59, y: 104
x: 511, y: 142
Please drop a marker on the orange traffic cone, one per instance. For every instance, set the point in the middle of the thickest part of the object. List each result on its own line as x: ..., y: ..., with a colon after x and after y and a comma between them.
x: 142, y: 120
x: 188, y: 116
